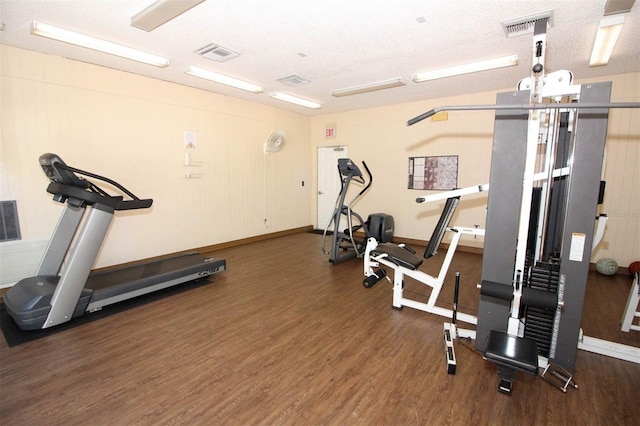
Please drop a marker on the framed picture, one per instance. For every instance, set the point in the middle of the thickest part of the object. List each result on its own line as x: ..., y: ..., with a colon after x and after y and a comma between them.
x: 433, y: 173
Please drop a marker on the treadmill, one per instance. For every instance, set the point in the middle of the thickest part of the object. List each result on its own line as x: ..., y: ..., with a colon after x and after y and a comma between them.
x: 64, y: 286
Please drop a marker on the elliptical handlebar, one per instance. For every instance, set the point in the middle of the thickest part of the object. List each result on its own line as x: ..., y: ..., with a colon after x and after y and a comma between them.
x: 370, y: 179
x: 349, y: 171
x: 67, y: 186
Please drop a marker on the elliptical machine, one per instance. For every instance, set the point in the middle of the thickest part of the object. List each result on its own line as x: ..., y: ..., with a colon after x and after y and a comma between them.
x: 344, y: 245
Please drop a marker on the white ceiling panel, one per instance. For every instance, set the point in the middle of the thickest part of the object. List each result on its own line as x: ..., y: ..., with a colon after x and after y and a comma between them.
x: 333, y: 44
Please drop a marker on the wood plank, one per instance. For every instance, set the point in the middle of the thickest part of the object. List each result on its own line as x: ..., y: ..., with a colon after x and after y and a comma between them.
x: 285, y: 337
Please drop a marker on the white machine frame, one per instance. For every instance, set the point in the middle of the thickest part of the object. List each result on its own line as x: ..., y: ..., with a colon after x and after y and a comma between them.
x: 631, y: 310
x: 372, y: 261
x: 503, y: 342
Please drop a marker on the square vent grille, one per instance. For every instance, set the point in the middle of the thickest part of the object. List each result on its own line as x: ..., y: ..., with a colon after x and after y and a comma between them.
x: 217, y: 53
x: 9, y: 223
x: 526, y: 24
x: 293, y: 80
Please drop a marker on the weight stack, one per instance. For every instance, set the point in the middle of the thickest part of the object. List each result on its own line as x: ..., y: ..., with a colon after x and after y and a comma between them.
x: 538, y: 321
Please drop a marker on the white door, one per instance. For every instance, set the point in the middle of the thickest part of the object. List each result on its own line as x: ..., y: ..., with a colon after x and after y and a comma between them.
x: 328, y: 182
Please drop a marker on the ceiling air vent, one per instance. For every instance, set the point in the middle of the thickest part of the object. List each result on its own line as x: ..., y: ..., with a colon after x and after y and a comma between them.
x: 293, y: 80
x: 217, y: 53
x: 526, y: 24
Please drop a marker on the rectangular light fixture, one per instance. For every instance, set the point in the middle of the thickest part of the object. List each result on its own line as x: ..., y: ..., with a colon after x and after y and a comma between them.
x: 224, y: 79
x: 612, y: 7
x: 161, y: 12
x: 365, y: 88
x: 490, y: 64
x: 60, y: 34
x: 295, y: 100
x: 606, y: 38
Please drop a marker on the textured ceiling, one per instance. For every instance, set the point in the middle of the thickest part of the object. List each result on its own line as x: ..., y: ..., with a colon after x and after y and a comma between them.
x: 332, y: 43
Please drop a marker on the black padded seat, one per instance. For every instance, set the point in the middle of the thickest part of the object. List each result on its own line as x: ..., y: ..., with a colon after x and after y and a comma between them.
x: 511, y: 351
x: 398, y: 255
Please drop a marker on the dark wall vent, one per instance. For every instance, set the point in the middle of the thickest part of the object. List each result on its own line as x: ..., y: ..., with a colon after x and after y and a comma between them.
x: 10, y: 226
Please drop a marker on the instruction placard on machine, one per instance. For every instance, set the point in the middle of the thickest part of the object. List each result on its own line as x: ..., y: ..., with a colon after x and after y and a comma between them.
x: 576, y: 251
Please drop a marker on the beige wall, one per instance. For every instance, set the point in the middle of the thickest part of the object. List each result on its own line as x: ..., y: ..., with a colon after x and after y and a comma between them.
x: 622, y: 174
x: 380, y: 137
x: 130, y: 129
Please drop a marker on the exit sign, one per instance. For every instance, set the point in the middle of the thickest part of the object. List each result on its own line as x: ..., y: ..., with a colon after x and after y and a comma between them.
x: 330, y: 132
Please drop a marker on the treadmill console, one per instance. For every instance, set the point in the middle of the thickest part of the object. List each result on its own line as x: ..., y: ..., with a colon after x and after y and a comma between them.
x: 67, y: 186
x: 57, y: 171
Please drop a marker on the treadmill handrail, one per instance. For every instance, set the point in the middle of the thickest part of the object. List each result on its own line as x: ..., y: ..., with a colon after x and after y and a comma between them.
x: 78, y: 191
x: 64, y: 192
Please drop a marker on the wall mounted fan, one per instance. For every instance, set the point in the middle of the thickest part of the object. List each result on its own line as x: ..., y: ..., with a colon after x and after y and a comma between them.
x: 274, y: 142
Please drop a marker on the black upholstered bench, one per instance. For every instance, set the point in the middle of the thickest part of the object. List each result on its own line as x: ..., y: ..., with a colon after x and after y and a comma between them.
x: 401, y: 256
x: 512, y: 354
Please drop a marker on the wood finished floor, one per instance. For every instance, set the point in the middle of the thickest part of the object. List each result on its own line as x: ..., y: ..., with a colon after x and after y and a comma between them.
x: 284, y: 337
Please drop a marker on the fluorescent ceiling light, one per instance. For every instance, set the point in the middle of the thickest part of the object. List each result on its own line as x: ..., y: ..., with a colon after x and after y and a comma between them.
x: 490, y: 64
x: 224, y: 79
x: 295, y: 100
x: 82, y: 40
x: 161, y: 12
x: 606, y: 38
x: 372, y: 87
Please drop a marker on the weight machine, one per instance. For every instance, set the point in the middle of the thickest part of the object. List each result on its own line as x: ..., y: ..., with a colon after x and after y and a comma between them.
x: 405, y: 263
x: 548, y: 148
